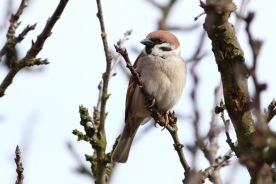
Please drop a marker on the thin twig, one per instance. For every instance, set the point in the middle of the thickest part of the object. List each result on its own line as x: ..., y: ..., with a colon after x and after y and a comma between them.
x: 226, y: 124
x: 219, y: 162
x: 271, y: 111
x: 195, y: 109
x: 19, y: 166
x: 8, y: 10
x: 108, y: 58
x: 120, y: 43
x: 255, y: 47
x: 112, y: 72
x: 101, y: 175
x: 211, y: 150
x: 243, y: 6
x: 11, y: 41
x: 203, y: 13
x: 194, y: 89
x: 24, y: 33
x: 82, y: 169
x: 166, y: 10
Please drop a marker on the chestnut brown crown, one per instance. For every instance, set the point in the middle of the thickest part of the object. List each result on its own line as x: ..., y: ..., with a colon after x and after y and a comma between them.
x: 165, y: 36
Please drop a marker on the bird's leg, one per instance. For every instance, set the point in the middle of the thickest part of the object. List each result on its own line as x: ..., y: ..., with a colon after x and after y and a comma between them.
x: 166, y: 119
x: 150, y: 102
x: 166, y: 116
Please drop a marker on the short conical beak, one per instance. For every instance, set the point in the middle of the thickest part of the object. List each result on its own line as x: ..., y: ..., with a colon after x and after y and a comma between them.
x: 147, y: 42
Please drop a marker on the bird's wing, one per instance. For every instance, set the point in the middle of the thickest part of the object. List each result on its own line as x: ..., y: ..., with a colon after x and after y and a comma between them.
x: 130, y: 90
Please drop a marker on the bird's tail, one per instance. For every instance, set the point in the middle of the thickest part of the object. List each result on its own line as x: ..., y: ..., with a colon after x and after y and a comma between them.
x: 121, y: 152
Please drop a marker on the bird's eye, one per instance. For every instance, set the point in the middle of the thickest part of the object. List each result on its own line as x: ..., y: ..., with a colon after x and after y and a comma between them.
x: 159, y: 40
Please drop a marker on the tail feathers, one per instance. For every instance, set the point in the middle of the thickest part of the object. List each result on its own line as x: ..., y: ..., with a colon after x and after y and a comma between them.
x: 121, y: 152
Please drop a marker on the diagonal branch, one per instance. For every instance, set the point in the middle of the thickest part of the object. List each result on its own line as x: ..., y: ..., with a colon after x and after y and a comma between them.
x: 271, y: 111
x: 219, y: 162
x: 30, y: 58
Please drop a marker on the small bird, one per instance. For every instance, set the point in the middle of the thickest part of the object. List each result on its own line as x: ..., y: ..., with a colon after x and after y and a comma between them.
x: 163, y: 72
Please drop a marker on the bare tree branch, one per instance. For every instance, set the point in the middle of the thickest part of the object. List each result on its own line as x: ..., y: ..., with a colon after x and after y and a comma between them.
x: 19, y: 166
x: 234, y: 75
x: 270, y: 112
x: 243, y: 6
x: 11, y: 40
x: 30, y: 58
x: 219, y: 162
x: 8, y: 10
x: 210, y: 150
x: 166, y: 11
x: 81, y: 168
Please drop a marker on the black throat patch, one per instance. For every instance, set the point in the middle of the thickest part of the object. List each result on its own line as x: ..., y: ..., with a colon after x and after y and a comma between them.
x: 148, y: 50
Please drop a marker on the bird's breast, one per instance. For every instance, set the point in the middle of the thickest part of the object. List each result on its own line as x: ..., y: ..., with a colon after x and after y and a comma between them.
x: 164, y: 79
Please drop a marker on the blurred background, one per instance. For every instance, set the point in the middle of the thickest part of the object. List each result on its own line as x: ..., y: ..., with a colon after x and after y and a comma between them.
x: 40, y: 108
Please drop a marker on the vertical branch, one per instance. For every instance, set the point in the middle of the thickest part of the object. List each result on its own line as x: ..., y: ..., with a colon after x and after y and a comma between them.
x: 108, y: 57
x: 196, y: 58
x: 166, y: 11
x: 243, y: 6
x: 213, y: 137
x: 19, y: 166
x: 101, y: 163
x: 234, y: 75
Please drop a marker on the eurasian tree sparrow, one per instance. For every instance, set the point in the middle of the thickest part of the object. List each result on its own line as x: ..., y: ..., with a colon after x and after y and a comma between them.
x: 164, y: 76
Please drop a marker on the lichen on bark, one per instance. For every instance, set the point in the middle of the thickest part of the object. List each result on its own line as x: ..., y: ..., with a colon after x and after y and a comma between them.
x: 234, y: 74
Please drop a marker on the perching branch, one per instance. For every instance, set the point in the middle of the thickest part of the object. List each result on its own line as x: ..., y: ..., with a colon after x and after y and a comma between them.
x: 30, y: 58
x: 158, y: 118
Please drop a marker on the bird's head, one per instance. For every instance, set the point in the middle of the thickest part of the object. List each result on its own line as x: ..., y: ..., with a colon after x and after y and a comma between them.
x: 161, y: 43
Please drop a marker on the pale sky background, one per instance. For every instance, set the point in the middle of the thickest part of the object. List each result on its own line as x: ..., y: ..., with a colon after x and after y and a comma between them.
x: 40, y: 108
